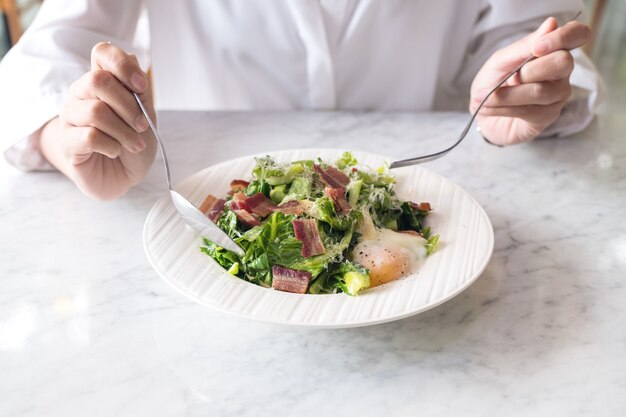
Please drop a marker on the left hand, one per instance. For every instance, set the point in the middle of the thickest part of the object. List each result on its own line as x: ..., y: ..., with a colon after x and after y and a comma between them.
x: 532, y: 99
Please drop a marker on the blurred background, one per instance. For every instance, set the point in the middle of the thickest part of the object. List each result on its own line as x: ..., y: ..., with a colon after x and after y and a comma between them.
x: 607, y: 19
x: 17, y: 15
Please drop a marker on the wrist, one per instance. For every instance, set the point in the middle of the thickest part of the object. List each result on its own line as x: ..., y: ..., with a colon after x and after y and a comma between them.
x: 48, y: 142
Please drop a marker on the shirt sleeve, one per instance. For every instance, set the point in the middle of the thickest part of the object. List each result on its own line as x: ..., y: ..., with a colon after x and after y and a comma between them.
x: 36, y: 73
x: 501, y: 23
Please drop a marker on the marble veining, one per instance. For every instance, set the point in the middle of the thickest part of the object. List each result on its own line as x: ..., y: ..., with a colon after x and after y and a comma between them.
x: 87, y: 328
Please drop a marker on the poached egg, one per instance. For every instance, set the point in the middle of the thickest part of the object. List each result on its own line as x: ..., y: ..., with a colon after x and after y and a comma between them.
x: 388, y: 254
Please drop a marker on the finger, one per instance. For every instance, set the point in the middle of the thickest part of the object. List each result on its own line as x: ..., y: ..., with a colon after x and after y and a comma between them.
x: 84, y: 141
x: 545, y: 93
x: 124, y: 67
x: 570, y: 36
x: 102, y: 85
x: 531, y: 113
x: 510, y: 57
x: 96, y: 113
x: 557, y: 65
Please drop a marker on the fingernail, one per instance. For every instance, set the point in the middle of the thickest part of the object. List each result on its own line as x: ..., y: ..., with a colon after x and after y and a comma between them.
x: 141, y: 123
x: 139, y: 82
x: 541, y: 47
x: 139, y: 145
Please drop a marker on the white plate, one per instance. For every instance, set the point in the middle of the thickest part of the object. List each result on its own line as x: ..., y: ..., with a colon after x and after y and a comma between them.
x: 465, y: 247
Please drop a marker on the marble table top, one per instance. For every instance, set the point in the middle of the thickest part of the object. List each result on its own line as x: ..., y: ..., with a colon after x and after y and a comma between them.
x: 88, y: 329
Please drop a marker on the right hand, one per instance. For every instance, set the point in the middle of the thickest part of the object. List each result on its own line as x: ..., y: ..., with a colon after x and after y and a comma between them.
x: 534, y: 97
x: 104, y: 138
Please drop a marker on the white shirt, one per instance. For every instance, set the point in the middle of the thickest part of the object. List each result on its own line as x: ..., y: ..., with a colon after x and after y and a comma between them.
x: 386, y: 55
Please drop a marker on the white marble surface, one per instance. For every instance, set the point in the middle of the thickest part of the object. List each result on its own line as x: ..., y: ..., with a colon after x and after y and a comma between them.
x: 88, y: 329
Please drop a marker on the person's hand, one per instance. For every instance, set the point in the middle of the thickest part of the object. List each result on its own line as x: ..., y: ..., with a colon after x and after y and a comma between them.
x: 533, y: 98
x: 101, y: 139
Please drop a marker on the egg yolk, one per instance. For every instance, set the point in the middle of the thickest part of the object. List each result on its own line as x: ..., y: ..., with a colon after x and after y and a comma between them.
x: 385, y: 262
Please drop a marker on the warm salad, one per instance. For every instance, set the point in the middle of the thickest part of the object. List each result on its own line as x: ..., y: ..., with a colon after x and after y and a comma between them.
x: 318, y: 227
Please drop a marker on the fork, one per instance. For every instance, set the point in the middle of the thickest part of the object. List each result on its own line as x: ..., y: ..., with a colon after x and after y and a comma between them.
x: 189, y: 213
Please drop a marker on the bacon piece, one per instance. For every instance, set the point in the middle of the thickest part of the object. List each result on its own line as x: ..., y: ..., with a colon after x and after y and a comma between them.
x: 259, y: 204
x: 409, y: 232
x: 246, y: 218
x: 216, y: 211
x: 212, y: 207
x: 332, y: 177
x: 290, y: 207
x: 238, y: 185
x: 338, y: 195
x: 306, y: 231
x: 208, y: 203
x: 239, y: 202
x: 421, y: 206
x: 239, y: 205
x: 290, y: 280
x: 424, y: 206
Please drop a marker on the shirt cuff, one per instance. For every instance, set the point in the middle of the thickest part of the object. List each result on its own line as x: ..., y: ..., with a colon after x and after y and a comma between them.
x: 24, y: 151
x: 26, y: 155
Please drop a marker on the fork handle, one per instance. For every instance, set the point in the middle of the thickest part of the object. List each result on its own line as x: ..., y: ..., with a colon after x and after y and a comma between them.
x: 159, y: 141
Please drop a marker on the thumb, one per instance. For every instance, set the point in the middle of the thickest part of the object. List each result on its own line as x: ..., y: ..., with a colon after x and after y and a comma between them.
x: 509, y: 57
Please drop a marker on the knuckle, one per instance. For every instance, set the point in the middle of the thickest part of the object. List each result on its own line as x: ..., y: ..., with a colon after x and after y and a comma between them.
x: 117, y: 62
x: 73, y: 90
x: 564, y: 61
x: 116, y: 150
x: 100, y: 79
x: 96, y: 109
x: 90, y: 136
x: 99, y: 48
x: 122, y: 64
